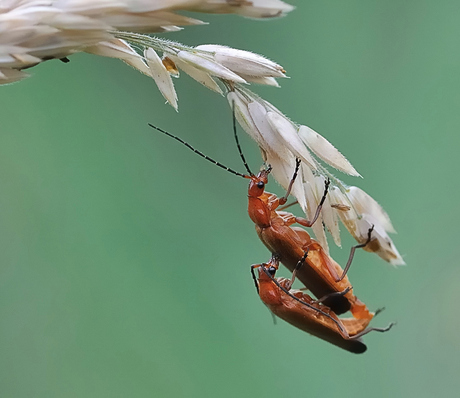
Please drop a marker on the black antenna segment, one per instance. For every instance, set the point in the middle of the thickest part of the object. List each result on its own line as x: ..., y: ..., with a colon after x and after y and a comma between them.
x: 198, y: 152
x: 238, y: 141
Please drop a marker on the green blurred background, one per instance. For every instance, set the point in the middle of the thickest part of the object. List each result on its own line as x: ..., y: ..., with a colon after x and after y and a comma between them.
x: 124, y: 258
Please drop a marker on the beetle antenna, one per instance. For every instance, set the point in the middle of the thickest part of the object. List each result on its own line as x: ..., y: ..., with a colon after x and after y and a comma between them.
x: 198, y: 152
x: 238, y: 141
x: 257, y: 285
x: 352, y: 252
x: 254, y: 276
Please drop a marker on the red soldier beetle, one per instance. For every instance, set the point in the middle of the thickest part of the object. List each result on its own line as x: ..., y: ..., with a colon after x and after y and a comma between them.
x: 301, y: 311
x: 320, y: 273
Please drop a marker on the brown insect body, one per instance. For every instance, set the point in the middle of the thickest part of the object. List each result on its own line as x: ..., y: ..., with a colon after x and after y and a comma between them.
x: 308, y: 315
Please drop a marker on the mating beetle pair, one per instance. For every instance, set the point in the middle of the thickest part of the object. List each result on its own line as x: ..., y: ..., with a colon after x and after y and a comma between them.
x: 293, y: 247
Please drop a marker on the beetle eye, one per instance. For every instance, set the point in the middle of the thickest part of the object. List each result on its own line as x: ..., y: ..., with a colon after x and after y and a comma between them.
x: 260, y: 184
x: 272, y: 270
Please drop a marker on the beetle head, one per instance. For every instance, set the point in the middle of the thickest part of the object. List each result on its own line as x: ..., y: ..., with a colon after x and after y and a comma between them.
x: 258, y: 182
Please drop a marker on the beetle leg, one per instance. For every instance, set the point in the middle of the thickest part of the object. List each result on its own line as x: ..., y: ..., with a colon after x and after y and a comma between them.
x: 334, y: 294
x: 368, y: 330
x: 307, y: 223
x: 284, y: 199
x: 352, y: 253
x: 288, y: 205
x: 379, y: 310
x: 297, y: 267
